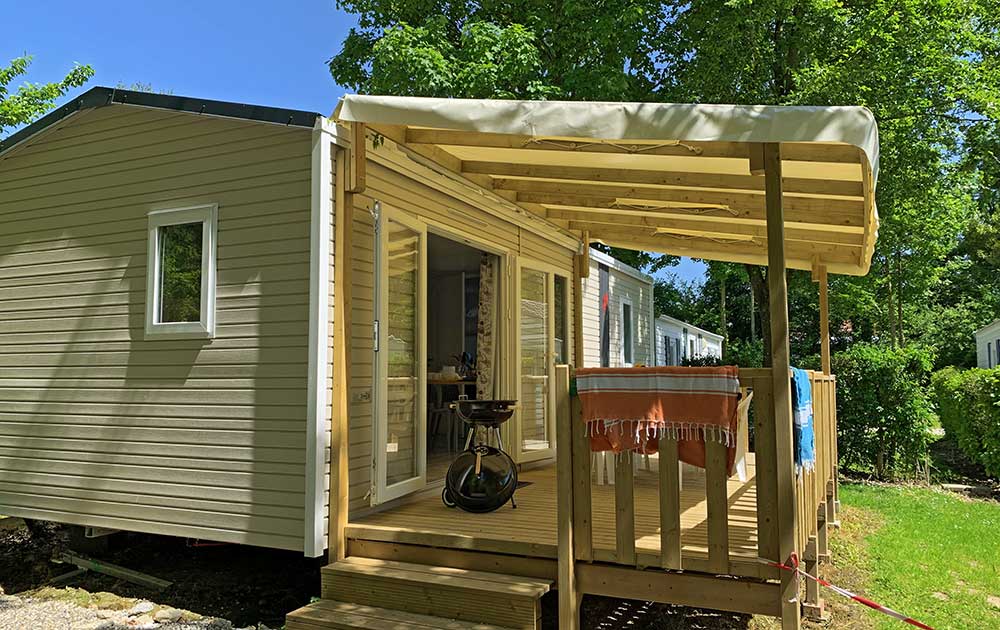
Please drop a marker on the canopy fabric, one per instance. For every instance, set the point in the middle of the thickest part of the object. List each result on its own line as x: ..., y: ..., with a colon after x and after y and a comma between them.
x: 672, y: 178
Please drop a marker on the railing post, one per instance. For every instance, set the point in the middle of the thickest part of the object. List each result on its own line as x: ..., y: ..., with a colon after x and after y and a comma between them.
x: 569, y: 600
x: 782, y: 392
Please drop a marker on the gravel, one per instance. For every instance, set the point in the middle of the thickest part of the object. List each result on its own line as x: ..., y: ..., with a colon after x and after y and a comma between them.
x: 18, y: 613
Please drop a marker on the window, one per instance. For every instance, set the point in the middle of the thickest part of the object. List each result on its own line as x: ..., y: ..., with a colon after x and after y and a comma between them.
x: 627, y: 334
x: 180, y: 272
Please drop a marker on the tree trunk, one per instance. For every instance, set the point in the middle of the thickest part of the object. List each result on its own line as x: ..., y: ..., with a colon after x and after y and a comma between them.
x: 899, y: 299
x: 722, y: 316
x: 758, y: 283
x: 753, y: 317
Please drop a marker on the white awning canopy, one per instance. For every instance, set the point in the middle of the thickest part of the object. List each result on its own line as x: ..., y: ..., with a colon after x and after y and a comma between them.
x: 678, y: 179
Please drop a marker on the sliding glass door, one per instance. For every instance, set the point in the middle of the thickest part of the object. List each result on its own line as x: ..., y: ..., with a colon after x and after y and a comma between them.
x: 541, y: 341
x: 400, y: 353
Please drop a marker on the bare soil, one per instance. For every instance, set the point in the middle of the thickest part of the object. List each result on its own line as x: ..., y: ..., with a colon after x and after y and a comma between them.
x: 245, y: 585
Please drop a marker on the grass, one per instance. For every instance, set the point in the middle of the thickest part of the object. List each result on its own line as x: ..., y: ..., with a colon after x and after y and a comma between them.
x: 932, y: 555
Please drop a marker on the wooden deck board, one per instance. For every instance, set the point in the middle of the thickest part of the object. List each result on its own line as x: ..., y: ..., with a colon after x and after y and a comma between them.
x: 530, y: 530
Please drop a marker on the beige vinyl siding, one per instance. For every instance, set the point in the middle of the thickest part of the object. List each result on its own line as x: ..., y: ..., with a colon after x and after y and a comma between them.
x: 620, y: 286
x: 101, y: 426
x: 400, y: 182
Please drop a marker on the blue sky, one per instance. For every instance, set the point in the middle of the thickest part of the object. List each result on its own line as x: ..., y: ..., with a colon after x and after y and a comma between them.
x: 253, y: 51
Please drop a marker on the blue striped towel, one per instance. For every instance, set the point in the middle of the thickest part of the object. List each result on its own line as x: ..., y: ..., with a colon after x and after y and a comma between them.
x: 802, y: 421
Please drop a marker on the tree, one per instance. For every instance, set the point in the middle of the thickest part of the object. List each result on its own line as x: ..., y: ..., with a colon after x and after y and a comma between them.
x: 524, y: 49
x: 31, y: 100
x: 926, y: 68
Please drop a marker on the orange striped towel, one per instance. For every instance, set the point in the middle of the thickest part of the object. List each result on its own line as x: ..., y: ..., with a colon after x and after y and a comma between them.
x: 629, y: 409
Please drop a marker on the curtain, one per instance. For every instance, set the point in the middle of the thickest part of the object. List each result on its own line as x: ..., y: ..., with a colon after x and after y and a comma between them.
x: 485, y: 337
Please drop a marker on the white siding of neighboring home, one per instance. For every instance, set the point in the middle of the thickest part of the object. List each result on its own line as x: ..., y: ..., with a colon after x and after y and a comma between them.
x: 704, y: 342
x: 624, y: 283
x: 988, y: 345
x: 101, y: 426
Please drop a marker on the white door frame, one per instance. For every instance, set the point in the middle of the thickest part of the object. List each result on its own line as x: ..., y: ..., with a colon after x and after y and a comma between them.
x: 383, y: 491
x: 516, y: 439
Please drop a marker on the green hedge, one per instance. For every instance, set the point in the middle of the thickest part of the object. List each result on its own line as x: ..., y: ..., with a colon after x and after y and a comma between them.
x: 969, y: 406
x: 884, y: 411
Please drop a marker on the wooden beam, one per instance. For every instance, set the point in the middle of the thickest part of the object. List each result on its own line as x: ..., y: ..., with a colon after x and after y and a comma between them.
x: 824, y: 319
x: 794, y: 151
x: 359, y: 158
x: 340, y: 410
x: 569, y: 599
x: 781, y: 382
x: 739, y: 201
x: 682, y: 589
x: 628, y: 176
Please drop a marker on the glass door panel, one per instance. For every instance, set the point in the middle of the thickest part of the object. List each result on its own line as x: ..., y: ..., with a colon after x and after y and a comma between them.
x: 535, y: 337
x: 401, y: 410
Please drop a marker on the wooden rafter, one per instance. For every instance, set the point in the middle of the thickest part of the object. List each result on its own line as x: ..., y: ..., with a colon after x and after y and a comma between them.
x: 750, y: 201
x: 624, y: 176
x: 596, y: 221
x: 837, y: 220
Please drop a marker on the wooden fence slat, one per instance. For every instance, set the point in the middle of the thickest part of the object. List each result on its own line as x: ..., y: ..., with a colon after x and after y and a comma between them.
x: 583, y: 538
x: 624, y: 509
x: 717, y: 495
x: 670, y: 505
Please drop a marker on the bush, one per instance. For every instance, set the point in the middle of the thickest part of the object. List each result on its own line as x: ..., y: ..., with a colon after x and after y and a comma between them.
x: 746, y: 354
x: 884, y: 411
x: 969, y: 406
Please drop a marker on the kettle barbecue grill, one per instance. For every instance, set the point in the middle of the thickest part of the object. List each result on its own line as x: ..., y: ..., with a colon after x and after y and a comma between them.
x: 482, y: 478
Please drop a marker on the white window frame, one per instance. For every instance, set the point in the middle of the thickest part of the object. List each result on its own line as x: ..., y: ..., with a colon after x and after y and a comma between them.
x: 631, y: 328
x: 207, y: 215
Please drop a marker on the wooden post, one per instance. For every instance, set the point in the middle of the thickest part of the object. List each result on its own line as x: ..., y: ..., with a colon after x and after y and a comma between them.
x: 814, y: 604
x: 569, y: 600
x: 340, y: 411
x: 359, y: 159
x: 782, y: 386
x: 824, y: 319
x: 823, y: 531
x: 580, y: 266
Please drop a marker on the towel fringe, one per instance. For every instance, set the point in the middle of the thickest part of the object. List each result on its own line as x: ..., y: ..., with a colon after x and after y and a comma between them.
x: 646, y: 431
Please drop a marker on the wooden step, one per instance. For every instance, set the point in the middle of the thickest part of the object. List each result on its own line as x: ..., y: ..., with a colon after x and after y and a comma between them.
x: 474, y: 596
x: 330, y: 615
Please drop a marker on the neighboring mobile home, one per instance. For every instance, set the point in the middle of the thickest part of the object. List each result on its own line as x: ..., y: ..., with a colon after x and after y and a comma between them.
x: 617, y: 314
x: 988, y: 345
x: 677, y: 340
x: 230, y: 322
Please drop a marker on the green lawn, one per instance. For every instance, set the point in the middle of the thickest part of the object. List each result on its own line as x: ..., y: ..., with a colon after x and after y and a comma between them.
x: 929, y: 554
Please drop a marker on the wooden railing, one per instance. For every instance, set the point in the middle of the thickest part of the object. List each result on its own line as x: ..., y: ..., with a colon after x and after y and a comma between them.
x: 813, y: 489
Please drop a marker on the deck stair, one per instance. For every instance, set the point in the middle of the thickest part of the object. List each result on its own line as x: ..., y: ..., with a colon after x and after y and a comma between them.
x: 383, y: 594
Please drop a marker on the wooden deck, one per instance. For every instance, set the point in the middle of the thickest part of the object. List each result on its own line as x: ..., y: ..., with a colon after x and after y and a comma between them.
x: 530, y: 530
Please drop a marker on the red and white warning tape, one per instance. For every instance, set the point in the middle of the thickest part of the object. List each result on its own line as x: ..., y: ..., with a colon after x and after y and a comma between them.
x: 885, y: 610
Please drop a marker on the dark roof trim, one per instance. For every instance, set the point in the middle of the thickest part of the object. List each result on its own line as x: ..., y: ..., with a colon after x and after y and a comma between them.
x: 103, y: 96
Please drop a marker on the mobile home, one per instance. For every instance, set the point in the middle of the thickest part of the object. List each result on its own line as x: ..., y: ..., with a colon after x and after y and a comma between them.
x: 240, y: 323
x: 617, y: 314
x: 988, y: 345
x: 677, y: 340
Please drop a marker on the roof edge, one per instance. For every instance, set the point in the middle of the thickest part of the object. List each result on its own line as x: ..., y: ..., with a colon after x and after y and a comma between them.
x: 103, y: 96
x: 618, y: 265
